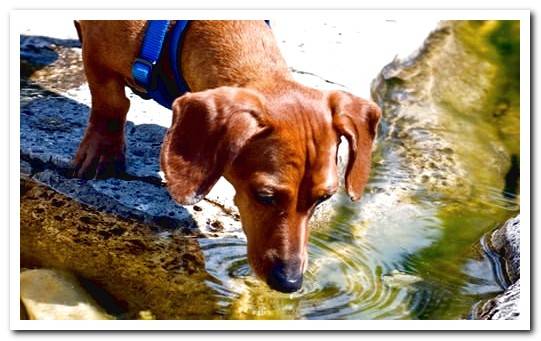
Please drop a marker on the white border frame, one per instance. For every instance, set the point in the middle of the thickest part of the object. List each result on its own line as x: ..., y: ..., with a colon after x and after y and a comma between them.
x: 525, y: 141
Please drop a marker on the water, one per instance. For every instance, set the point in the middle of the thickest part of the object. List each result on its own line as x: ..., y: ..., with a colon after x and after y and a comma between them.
x: 412, y: 249
x: 426, y: 267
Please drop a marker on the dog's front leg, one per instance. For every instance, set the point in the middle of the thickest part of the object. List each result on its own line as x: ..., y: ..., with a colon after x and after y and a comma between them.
x: 101, y: 152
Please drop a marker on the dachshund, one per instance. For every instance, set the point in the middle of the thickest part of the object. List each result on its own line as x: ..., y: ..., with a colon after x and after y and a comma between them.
x: 246, y: 119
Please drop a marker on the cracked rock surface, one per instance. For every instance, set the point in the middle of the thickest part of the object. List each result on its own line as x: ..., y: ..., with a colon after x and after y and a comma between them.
x: 54, y: 111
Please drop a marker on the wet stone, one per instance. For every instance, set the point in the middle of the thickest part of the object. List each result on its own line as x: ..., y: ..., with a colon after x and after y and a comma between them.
x: 505, y: 242
x: 440, y: 101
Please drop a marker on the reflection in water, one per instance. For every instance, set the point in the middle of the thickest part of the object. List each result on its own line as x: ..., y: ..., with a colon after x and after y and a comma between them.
x: 443, y: 177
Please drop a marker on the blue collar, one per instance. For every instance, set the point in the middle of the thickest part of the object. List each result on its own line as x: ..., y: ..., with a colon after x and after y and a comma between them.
x: 145, y: 70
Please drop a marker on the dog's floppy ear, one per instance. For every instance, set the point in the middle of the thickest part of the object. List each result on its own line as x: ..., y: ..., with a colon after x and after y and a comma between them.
x: 357, y: 120
x: 209, y: 129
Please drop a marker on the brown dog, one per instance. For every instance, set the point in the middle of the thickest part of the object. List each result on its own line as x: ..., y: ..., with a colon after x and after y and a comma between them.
x: 272, y: 138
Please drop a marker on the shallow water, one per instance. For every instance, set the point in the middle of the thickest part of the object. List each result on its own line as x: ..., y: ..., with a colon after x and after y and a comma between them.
x: 411, y: 249
x: 425, y: 267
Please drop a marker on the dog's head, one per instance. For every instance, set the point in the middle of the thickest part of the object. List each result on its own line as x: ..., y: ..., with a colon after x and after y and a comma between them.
x: 279, y: 151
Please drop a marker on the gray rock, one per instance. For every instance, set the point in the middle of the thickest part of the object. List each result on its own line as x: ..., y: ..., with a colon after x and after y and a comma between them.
x: 502, y: 307
x: 506, y: 242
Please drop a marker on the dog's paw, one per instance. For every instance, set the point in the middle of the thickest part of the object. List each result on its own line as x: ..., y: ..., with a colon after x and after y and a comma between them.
x: 99, y: 156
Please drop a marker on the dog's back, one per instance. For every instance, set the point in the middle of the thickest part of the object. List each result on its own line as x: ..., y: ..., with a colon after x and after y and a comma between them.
x: 217, y: 53
x: 214, y: 53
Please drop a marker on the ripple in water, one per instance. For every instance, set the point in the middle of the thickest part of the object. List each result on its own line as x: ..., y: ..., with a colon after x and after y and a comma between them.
x: 340, y: 282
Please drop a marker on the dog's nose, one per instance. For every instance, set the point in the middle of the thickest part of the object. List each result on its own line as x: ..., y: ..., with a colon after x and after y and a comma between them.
x: 285, y: 278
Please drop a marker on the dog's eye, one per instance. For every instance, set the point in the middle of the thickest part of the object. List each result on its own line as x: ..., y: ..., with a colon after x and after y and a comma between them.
x: 322, y: 198
x: 265, y: 198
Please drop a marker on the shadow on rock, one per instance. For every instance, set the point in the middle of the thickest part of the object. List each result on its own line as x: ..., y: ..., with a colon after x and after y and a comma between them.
x: 52, y: 127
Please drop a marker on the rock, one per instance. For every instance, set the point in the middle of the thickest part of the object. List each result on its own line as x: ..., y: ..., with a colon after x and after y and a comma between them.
x: 506, y: 242
x: 505, y: 306
x: 57, y: 295
x: 429, y: 97
x: 143, y: 266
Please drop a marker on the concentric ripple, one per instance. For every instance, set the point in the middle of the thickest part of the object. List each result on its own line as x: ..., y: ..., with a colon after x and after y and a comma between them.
x: 409, y: 263
x: 341, y: 282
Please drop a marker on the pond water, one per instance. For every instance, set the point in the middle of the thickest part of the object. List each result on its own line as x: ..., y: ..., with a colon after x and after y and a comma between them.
x: 431, y: 269
x: 411, y: 249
